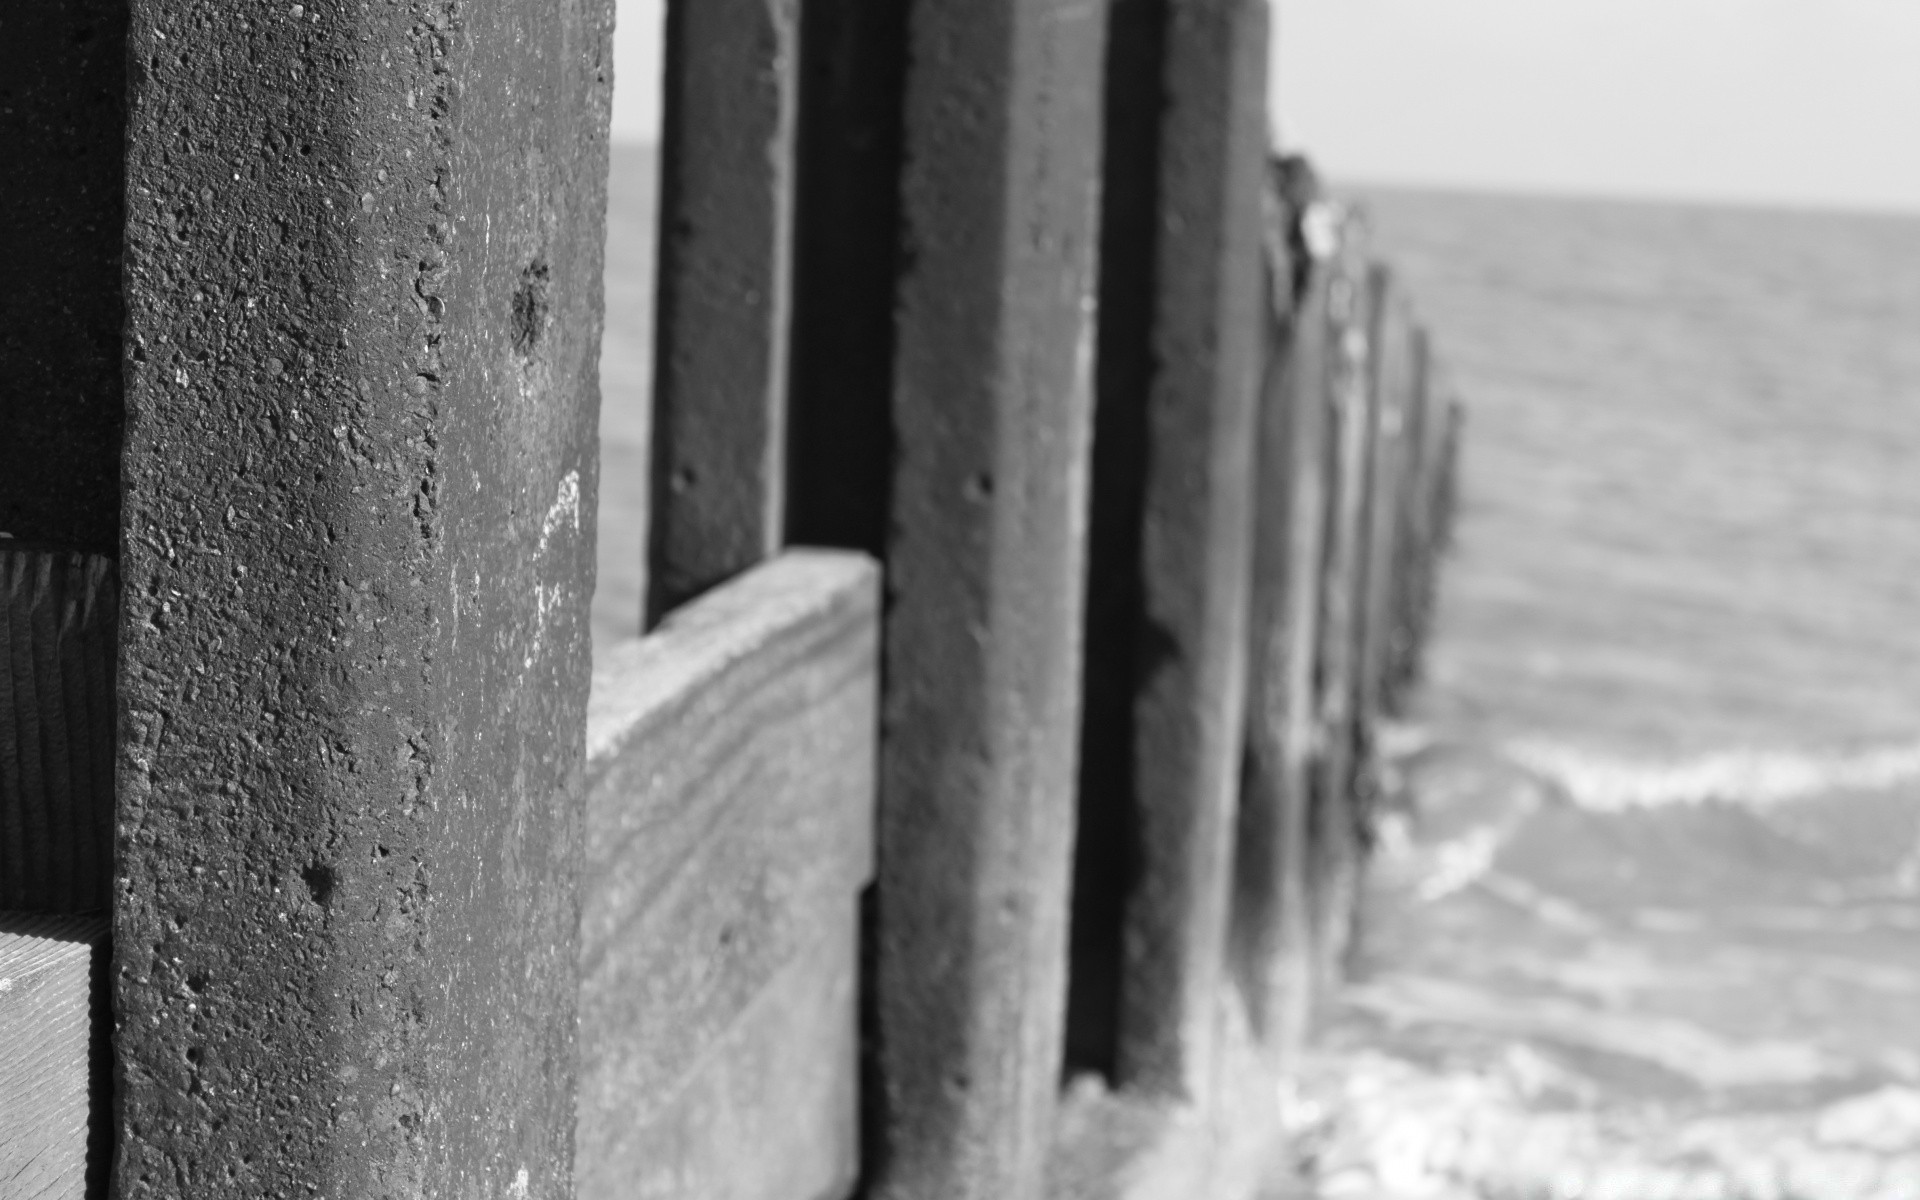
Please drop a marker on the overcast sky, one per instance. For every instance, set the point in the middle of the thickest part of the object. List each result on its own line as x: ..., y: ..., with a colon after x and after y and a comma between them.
x: 1759, y: 101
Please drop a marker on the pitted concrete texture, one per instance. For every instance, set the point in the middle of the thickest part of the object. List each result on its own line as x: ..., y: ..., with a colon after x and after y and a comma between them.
x: 63, y: 122
x: 363, y: 293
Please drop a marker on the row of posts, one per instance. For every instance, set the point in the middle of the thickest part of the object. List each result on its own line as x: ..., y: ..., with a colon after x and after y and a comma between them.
x: 302, y: 349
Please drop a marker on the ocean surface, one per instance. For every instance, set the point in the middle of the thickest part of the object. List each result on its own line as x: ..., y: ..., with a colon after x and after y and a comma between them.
x: 1692, y: 474
x: 1646, y: 920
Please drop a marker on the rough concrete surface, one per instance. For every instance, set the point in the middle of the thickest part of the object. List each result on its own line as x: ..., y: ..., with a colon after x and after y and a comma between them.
x: 363, y: 293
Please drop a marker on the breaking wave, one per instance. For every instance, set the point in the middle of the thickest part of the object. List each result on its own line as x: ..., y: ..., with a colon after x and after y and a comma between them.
x: 1743, y: 777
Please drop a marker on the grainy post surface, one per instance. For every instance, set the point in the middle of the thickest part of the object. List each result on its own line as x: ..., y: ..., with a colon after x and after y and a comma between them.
x: 363, y: 291
x: 58, y: 611
x: 63, y: 122
x: 55, y: 1066
x: 725, y: 283
x: 1166, y: 636
x: 1273, y: 935
x: 993, y: 384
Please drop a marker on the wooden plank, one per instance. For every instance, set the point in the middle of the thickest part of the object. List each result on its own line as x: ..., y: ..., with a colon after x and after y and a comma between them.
x: 59, y: 613
x: 55, y: 1068
x: 769, y: 1112
x: 361, y: 357
x: 729, y: 827
x: 725, y: 293
x: 1169, y: 533
x: 1333, y: 833
x: 1273, y: 936
x: 992, y: 405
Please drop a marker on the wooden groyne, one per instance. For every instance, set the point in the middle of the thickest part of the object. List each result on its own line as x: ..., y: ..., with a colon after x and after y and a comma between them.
x: 1047, y: 489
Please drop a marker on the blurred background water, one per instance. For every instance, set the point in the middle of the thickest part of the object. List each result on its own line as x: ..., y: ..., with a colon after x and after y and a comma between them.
x: 1692, y: 475
x: 1647, y: 921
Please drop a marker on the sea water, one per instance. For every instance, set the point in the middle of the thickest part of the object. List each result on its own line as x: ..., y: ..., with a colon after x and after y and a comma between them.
x: 1649, y: 921
x: 1691, y: 521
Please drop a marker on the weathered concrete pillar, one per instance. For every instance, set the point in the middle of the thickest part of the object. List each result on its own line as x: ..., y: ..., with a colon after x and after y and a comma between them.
x: 726, y: 279
x: 363, y: 292
x: 1392, y: 378
x: 1333, y: 835
x: 993, y: 384
x: 1172, y: 502
x: 1273, y: 936
x: 1434, y: 443
x: 1402, y: 667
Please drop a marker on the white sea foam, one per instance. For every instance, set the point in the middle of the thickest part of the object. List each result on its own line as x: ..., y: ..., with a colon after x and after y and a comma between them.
x: 1758, y: 778
x: 1373, y: 1125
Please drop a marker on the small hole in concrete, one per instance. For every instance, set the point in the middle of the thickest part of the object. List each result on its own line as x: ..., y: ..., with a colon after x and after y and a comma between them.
x: 319, y: 881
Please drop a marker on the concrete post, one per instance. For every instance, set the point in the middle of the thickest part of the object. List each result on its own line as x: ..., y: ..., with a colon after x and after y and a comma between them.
x: 1172, y: 511
x: 1334, y: 851
x: 726, y: 280
x: 992, y: 408
x: 363, y: 297
x: 1273, y: 935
